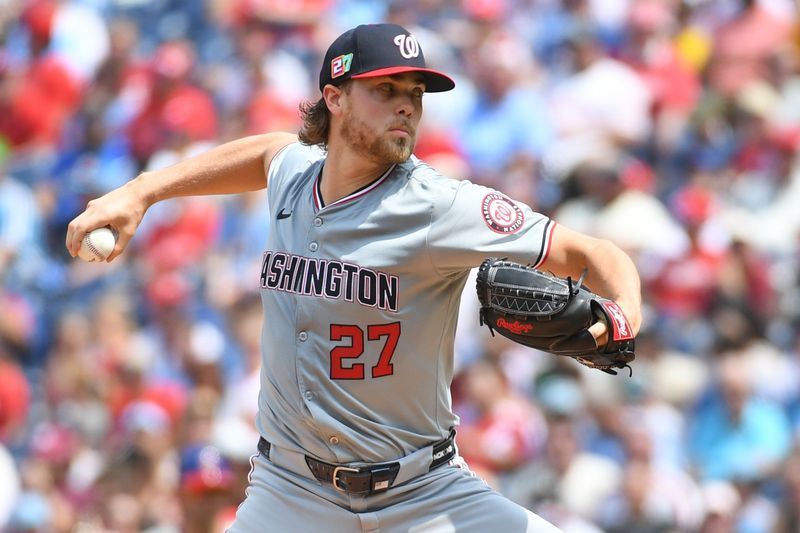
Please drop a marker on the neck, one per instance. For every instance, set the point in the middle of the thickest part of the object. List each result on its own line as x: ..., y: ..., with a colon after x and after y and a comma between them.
x: 345, y: 172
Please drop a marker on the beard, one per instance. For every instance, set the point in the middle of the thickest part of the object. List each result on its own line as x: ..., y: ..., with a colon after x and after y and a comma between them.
x: 361, y: 138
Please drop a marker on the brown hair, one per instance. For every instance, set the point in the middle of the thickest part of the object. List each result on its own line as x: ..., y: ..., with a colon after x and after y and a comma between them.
x: 317, y: 120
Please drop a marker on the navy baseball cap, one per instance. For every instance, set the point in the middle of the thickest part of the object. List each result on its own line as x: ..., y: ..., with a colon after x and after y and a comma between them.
x: 372, y: 50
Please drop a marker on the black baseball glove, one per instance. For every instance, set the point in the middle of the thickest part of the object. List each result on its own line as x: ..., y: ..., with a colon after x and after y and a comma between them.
x: 552, y: 314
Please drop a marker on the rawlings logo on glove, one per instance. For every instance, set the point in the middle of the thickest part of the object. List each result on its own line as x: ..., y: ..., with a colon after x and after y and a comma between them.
x: 620, y: 329
x: 514, y: 327
x: 552, y: 314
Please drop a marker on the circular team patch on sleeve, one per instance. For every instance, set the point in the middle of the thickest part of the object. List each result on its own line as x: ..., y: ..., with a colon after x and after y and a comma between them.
x: 501, y: 214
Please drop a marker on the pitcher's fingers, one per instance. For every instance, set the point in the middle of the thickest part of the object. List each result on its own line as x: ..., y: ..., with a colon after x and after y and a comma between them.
x: 599, y: 331
x: 123, y: 238
x: 75, y: 232
x: 78, y: 228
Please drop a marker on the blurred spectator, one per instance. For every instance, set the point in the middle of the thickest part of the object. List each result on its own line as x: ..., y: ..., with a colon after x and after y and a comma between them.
x: 743, y: 281
x: 95, y: 160
x: 234, y: 427
x: 653, y: 50
x: 36, y: 101
x: 298, y: 13
x: 603, y: 103
x: 9, y: 490
x: 560, y: 393
x: 764, y: 188
x: 685, y: 286
x: 15, y: 397
x: 566, y: 484
x: 744, y: 45
x: 508, y: 127
x: 653, y: 496
x: 667, y: 383
x: 504, y: 430
x: 178, y: 237
x: 22, y: 242
x: 176, y: 111
x: 736, y: 435
x: 607, y: 206
x: 79, y: 38
x: 68, y: 370
x: 206, y: 477
x: 43, y: 505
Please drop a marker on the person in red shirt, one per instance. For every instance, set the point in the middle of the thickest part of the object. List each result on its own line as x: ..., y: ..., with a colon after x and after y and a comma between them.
x: 505, y: 431
x: 36, y: 101
x: 176, y: 110
x: 14, y: 397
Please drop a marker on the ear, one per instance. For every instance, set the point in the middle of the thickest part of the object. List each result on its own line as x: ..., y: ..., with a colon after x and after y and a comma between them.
x: 334, y: 97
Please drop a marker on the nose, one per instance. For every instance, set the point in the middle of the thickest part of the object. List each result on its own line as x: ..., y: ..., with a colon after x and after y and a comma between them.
x: 405, y: 105
x: 405, y: 109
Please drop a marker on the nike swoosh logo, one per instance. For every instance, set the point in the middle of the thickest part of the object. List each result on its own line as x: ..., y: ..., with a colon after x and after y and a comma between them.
x: 282, y: 214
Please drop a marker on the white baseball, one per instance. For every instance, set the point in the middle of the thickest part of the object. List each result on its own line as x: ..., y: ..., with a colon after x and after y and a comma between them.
x: 98, y: 244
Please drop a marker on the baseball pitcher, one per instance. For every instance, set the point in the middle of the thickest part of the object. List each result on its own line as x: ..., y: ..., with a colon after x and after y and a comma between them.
x: 361, y: 275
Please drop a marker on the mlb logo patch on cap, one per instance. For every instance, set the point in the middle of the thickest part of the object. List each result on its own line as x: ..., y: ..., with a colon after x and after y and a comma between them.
x: 341, y: 65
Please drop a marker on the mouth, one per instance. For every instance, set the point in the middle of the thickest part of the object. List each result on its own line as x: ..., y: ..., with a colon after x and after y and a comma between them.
x: 401, y: 129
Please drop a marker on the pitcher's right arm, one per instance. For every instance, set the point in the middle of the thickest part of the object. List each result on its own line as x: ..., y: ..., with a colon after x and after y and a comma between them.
x: 234, y: 167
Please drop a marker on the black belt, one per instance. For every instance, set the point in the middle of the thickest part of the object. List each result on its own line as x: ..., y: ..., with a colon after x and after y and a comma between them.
x: 369, y: 479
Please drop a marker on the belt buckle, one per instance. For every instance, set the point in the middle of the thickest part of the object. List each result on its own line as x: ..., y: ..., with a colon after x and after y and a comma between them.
x: 337, y: 471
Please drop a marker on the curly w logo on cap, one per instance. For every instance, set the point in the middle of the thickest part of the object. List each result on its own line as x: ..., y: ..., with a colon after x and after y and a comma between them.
x: 408, y: 45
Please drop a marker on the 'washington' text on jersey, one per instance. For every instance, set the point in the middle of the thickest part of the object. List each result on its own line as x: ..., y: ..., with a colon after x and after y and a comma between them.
x: 328, y: 279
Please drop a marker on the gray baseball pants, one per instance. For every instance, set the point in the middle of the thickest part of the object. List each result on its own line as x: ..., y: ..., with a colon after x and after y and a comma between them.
x: 284, y: 497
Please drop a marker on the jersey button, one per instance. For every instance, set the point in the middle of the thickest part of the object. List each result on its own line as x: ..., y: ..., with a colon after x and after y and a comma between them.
x: 317, y: 222
x: 303, y: 336
x: 334, y: 440
x: 313, y: 246
x: 309, y: 395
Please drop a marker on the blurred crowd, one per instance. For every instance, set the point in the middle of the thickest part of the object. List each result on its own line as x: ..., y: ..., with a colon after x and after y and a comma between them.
x: 128, y: 390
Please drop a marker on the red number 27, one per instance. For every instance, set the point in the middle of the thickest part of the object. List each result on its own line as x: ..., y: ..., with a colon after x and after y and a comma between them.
x: 355, y: 349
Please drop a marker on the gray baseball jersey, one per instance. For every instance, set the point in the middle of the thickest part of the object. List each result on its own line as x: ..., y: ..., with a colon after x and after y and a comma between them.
x: 360, y: 303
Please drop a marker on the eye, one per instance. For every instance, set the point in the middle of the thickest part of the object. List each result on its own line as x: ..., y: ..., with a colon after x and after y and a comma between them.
x: 386, y: 89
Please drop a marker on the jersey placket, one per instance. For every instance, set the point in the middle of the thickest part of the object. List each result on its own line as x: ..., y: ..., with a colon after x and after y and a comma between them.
x: 311, y: 336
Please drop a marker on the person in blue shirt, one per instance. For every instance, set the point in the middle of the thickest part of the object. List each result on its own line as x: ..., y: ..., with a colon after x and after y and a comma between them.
x: 736, y: 435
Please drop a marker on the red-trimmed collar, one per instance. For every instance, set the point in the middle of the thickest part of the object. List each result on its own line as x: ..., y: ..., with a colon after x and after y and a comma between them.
x: 353, y: 195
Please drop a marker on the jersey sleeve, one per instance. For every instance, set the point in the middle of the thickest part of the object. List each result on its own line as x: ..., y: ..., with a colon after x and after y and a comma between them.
x: 478, y: 222
x: 291, y: 160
